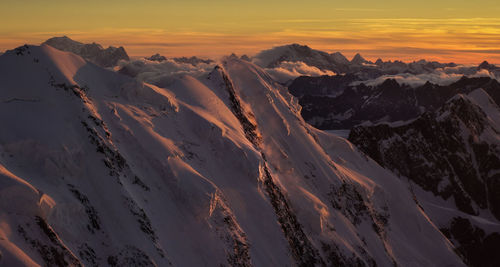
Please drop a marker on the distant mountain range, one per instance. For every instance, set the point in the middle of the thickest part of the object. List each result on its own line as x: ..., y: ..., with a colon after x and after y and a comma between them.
x: 93, y: 52
x: 339, y: 64
x: 331, y: 102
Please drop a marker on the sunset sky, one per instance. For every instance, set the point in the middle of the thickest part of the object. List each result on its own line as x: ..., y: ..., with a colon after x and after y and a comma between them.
x: 459, y: 30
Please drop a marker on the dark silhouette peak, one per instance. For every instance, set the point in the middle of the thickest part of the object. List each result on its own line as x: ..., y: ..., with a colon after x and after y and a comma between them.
x: 390, y: 83
x: 339, y: 58
x: 245, y: 58
x: 486, y: 65
x: 295, y: 45
x: 156, y: 57
x: 358, y: 59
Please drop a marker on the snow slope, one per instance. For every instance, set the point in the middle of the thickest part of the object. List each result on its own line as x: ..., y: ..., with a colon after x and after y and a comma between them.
x: 97, y: 168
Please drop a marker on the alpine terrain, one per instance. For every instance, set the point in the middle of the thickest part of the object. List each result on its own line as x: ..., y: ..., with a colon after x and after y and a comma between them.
x: 98, y: 168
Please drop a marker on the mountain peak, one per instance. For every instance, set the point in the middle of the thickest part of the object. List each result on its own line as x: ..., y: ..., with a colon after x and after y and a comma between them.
x: 93, y: 52
x: 339, y: 57
x: 299, y: 53
x: 486, y: 65
x: 358, y: 59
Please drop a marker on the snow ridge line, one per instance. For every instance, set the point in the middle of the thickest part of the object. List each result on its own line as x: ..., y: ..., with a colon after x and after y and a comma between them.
x: 303, y: 251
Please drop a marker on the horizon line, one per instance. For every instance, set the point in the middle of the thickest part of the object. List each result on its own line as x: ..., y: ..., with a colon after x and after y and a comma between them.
x: 348, y: 53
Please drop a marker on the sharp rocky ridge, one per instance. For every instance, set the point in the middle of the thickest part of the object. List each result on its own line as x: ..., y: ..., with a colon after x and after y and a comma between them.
x: 97, y: 168
x: 451, y: 158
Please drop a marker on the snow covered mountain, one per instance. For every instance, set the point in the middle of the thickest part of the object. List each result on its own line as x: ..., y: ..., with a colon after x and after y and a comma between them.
x: 452, y: 156
x: 97, y: 168
x: 95, y: 53
x: 273, y: 57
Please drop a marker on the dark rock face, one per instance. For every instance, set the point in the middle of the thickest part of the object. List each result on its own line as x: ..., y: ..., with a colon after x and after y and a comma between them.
x: 442, y: 152
x: 323, y: 85
x: 479, y: 248
x: 95, y: 53
x: 388, y: 101
x: 452, y: 152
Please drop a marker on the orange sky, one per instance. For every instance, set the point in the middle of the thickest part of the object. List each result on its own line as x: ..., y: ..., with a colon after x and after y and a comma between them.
x: 459, y: 31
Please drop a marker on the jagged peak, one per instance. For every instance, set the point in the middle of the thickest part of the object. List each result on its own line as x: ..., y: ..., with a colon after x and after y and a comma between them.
x: 390, y: 83
x: 156, y: 57
x: 486, y: 65
x: 358, y: 59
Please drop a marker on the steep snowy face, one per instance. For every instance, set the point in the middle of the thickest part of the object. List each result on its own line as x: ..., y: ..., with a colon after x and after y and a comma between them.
x: 454, y: 154
x: 95, y: 53
x: 97, y: 168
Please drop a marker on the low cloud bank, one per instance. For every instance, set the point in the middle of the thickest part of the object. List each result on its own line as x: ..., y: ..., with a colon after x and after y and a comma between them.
x: 287, y: 71
x: 444, y: 77
x: 162, y: 72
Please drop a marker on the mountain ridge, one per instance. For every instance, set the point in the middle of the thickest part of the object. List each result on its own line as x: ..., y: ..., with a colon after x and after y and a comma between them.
x: 93, y: 52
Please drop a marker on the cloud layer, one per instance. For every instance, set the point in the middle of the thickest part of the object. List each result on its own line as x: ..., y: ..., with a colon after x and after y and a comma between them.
x: 444, y: 76
x: 162, y: 72
x: 287, y: 71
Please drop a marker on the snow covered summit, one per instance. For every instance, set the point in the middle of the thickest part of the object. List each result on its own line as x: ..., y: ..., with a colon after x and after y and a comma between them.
x: 93, y: 52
